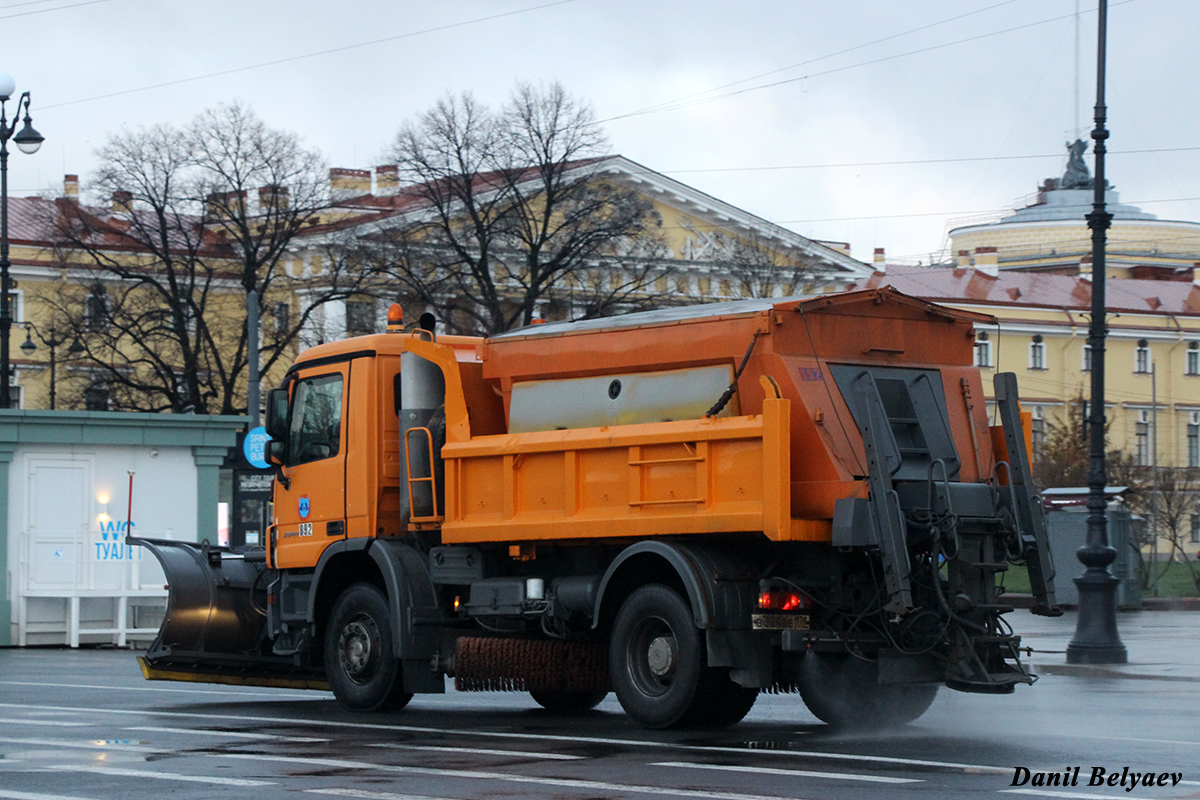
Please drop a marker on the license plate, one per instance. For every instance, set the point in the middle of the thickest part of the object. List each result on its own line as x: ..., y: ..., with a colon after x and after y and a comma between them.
x: 779, y: 622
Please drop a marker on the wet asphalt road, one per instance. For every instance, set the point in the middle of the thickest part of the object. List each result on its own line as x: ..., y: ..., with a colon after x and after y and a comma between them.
x: 83, y: 724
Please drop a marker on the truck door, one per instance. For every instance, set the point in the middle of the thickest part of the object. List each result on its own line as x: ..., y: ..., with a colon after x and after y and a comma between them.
x: 312, y: 511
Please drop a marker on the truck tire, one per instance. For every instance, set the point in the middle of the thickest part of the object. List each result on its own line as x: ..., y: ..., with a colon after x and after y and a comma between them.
x: 360, y: 659
x: 845, y: 692
x: 722, y: 702
x: 567, y: 702
x: 656, y: 658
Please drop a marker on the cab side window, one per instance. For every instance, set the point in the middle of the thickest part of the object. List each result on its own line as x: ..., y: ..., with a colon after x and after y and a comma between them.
x: 316, y: 426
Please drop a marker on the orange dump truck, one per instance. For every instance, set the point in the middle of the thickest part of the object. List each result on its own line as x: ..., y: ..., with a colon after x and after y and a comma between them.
x: 686, y: 506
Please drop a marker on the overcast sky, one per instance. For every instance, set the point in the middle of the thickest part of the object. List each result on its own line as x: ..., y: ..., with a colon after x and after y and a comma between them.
x: 982, y: 93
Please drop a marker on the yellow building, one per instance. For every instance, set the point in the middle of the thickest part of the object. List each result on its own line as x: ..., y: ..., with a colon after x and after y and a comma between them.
x: 708, y: 250
x: 1152, y: 349
x: 1047, y: 232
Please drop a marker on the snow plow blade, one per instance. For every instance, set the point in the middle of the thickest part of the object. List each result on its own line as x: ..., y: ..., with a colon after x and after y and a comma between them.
x: 214, y: 630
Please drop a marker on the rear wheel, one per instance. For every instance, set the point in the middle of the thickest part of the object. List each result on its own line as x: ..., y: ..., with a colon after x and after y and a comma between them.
x: 722, y: 702
x: 845, y: 692
x: 656, y: 657
x: 567, y: 702
x: 360, y: 659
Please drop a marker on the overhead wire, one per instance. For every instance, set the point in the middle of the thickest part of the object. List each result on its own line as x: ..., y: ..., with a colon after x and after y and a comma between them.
x: 28, y: 3
x: 907, y: 162
x: 822, y: 58
x: 690, y: 104
x: 289, y: 59
x: 45, y: 10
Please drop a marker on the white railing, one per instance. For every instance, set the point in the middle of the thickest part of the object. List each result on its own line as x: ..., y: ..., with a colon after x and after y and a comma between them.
x: 88, y: 585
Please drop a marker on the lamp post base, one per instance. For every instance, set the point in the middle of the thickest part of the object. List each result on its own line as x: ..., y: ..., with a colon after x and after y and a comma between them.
x: 1096, y: 640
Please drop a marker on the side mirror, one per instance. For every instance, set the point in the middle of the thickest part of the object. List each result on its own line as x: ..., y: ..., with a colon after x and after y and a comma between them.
x: 276, y: 457
x: 276, y: 450
x: 277, y: 413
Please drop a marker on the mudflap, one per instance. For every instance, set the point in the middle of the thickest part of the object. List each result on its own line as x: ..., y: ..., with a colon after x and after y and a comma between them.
x: 215, y: 628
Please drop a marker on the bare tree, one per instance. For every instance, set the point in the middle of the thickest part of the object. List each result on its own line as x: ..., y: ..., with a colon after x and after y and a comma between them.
x: 509, y: 212
x: 1063, y: 461
x: 752, y: 263
x: 1175, y: 501
x: 201, y: 215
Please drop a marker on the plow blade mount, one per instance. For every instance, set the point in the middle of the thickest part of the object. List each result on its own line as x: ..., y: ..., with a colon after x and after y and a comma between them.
x: 215, y: 626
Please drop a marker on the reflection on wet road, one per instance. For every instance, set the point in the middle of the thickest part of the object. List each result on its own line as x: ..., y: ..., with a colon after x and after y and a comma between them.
x: 83, y: 724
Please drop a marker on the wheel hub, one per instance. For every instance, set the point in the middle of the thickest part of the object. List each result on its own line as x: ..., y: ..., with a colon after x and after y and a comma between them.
x: 357, y: 649
x: 661, y: 655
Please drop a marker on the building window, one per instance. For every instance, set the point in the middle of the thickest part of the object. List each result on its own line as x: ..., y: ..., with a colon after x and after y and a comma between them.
x: 1086, y: 365
x: 281, y: 314
x: 1141, y: 357
x: 983, y: 350
x: 1142, y: 438
x: 1195, y: 528
x: 1037, y: 353
x: 360, y: 317
x: 15, y: 306
x: 95, y: 398
x: 1193, y: 440
x: 1192, y: 366
x: 1038, y: 438
x: 95, y: 309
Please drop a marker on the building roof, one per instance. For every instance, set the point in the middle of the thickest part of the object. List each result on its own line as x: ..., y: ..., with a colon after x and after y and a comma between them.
x: 413, y: 199
x: 28, y: 218
x: 1052, y: 205
x: 32, y: 221
x: 1037, y: 290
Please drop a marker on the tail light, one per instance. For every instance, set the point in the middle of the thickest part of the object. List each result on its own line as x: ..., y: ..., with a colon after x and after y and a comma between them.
x: 776, y: 599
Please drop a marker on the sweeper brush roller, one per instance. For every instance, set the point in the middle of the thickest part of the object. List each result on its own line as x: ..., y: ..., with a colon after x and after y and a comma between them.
x: 521, y: 665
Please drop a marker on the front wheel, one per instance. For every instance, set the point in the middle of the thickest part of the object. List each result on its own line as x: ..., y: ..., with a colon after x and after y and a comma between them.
x: 360, y: 659
x: 845, y: 692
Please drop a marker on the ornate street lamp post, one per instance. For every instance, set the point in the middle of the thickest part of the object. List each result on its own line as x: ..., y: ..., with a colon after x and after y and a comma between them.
x: 28, y: 141
x: 1096, y: 640
x: 53, y: 341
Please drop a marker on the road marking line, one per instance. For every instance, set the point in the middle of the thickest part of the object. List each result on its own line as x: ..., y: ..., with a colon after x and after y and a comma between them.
x: 476, y: 750
x: 571, y: 783
x: 97, y: 744
x: 166, y: 776
x: 367, y: 793
x: 10, y: 795
x: 540, y: 737
x: 230, y: 734
x: 110, y: 689
x: 1132, y: 739
x: 52, y: 722
x: 1072, y: 795
x: 796, y: 773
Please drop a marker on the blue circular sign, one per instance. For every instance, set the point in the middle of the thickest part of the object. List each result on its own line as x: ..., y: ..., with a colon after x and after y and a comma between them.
x: 254, y: 446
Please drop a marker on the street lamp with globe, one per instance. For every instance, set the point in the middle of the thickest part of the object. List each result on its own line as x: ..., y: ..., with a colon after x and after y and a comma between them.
x: 27, y: 141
